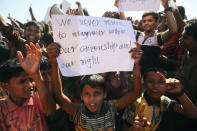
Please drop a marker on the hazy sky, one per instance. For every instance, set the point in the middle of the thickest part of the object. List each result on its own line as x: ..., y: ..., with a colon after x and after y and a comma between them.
x: 19, y: 8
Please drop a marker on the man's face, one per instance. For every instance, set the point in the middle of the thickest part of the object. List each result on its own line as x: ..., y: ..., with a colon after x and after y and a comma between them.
x: 32, y: 34
x: 93, y: 98
x: 20, y: 88
x: 187, y: 41
x: 154, y: 85
x: 148, y: 23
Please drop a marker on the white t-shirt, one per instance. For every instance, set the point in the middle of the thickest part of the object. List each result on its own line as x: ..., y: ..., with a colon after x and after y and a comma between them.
x: 154, y: 40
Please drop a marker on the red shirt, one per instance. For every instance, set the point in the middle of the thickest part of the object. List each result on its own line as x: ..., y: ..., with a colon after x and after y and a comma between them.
x: 171, y: 48
x: 27, y: 117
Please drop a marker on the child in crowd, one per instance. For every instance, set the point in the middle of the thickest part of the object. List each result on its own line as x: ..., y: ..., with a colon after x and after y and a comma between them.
x: 60, y: 120
x: 24, y: 109
x: 32, y: 33
x: 95, y: 113
x: 157, y: 85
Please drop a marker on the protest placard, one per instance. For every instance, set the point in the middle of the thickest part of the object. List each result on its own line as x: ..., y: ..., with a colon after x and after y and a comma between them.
x: 139, y: 5
x: 91, y: 45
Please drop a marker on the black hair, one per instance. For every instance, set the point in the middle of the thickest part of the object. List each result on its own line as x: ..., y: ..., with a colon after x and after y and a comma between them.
x: 191, y: 28
x: 45, y: 64
x: 154, y: 69
x: 10, y: 68
x: 154, y: 14
x: 182, y: 12
x: 93, y: 81
x: 5, y: 51
x: 116, y: 15
x: 34, y: 23
x: 44, y: 26
x: 110, y: 14
x: 47, y: 39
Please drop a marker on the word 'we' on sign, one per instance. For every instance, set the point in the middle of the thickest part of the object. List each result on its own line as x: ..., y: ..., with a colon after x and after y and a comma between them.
x: 92, y: 45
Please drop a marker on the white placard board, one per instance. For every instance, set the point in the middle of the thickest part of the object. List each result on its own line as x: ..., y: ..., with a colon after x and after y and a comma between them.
x: 139, y: 5
x: 91, y: 45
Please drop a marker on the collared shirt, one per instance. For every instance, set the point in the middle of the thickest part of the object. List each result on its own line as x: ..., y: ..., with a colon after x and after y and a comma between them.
x: 153, y: 40
x: 150, y: 103
x: 153, y: 111
x: 28, y: 117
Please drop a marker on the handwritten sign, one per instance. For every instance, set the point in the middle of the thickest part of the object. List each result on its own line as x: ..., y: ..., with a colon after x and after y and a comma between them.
x: 92, y: 45
x: 139, y: 5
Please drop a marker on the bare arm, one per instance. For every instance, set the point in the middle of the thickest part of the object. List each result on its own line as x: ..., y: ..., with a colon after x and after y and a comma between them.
x: 161, y: 26
x: 63, y: 101
x: 32, y: 14
x: 136, y: 90
x: 14, y: 22
x: 80, y: 9
x: 122, y: 15
x: 11, y: 35
x: 31, y: 64
x: 186, y: 108
x: 4, y: 27
x: 177, y: 15
x: 171, y: 22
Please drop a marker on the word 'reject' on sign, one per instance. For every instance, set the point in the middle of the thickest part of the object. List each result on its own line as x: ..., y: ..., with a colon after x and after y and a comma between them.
x: 91, y: 45
x: 139, y: 5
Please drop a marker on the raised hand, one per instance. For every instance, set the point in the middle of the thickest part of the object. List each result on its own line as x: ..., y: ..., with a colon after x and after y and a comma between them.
x: 30, y: 9
x: 140, y: 121
x: 53, y: 51
x: 31, y: 63
x: 173, y: 85
x: 164, y: 3
x: 78, y: 4
x: 136, y: 53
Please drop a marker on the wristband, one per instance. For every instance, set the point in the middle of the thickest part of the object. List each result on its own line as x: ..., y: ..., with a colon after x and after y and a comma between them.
x: 168, y: 9
x: 180, y: 93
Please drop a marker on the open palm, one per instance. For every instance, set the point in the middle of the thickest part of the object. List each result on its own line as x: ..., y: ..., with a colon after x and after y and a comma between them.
x: 31, y: 63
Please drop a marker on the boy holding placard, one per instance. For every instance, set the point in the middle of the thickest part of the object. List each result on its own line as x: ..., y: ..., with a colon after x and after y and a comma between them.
x: 94, y: 113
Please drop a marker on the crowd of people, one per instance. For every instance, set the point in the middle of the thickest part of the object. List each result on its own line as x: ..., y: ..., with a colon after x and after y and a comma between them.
x: 159, y: 94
